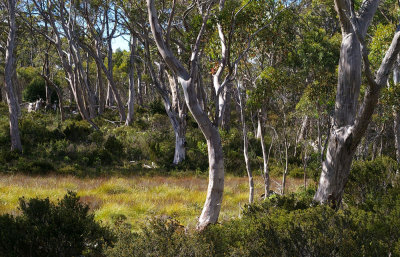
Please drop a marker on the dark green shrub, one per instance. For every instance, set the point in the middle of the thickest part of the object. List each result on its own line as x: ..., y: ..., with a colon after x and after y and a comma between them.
x: 134, y: 153
x: 48, y: 229
x: 35, y: 90
x: 114, y: 146
x: 34, y: 133
x: 97, y: 137
x: 156, y: 107
x: 296, y: 172
x: 37, y: 167
x: 161, y: 237
x: 368, y: 180
x: 77, y: 131
x: 233, y: 151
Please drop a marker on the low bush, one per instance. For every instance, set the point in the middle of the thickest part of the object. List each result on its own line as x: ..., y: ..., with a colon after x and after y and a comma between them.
x: 370, y: 180
x: 76, y: 131
x: 48, y: 229
x: 160, y: 237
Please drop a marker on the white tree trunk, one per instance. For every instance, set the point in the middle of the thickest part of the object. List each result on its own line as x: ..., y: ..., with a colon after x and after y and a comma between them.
x: 212, y: 205
x: 131, y: 101
x: 286, y: 166
x: 245, y: 144
x: 9, y: 71
x: 396, y: 115
x: 266, y: 155
x: 349, y: 126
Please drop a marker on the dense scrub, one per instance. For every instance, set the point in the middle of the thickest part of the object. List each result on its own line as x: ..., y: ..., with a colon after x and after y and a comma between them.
x: 74, y: 147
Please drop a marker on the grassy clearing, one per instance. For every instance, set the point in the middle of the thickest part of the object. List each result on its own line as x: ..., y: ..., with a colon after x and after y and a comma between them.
x: 132, y: 198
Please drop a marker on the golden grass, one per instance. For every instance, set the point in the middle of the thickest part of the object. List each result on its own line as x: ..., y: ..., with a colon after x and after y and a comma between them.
x: 134, y: 198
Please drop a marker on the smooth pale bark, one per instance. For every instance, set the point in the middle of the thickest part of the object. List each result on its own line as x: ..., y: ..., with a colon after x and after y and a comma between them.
x: 8, y: 73
x: 396, y: 115
x: 226, y: 118
x: 68, y: 57
x: 140, y: 86
x: 178, y: 121
x: 47, y: 72
x: 82, y: 78
x: 246, y: 144
x: 175, y: 109
x: 109, y: 72
x: 286, y: 166
x: 305, y: 160
x: 266, y: 155
x: 110, y: 96
x: 131, y: 98
x: 396, y: 128
x: 350, y: 126
x: 112, y: 91
x: 220, y: 88
x: 212, y: 205
x: 100, y: 90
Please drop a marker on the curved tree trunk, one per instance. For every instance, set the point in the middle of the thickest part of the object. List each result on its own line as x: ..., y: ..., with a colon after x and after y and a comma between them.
x: 212, y: 205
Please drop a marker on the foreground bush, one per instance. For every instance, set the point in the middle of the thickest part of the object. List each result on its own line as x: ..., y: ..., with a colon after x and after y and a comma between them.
x: 48, y: 229
x: 161, y: 237
x: 280, y: 226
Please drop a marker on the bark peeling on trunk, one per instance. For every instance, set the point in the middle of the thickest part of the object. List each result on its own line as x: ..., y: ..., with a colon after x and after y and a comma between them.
x: 349, y: 125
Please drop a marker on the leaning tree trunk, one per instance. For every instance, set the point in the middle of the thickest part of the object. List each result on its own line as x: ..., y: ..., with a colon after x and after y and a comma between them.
x: 9, y: 71
x: 349, y: 126
x: 212, y: 205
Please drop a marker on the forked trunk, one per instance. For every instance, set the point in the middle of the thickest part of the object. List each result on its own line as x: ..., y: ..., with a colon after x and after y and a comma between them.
x: 350, y: 126
x: 186, y: 79
x: 339, y: 156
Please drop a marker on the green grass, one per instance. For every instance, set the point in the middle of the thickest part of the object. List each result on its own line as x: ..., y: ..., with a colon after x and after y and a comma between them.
x: 133, y: 199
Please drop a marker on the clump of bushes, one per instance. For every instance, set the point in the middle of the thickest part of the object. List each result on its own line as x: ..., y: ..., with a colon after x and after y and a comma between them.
x: 48, y: 229
x: 162, y: 236
x: 76, y: 131
x: 282, y: 226
x: 369, y: 181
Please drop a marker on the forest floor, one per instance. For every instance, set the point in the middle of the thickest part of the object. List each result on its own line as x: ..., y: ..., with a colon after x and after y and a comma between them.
x: 136, y: 198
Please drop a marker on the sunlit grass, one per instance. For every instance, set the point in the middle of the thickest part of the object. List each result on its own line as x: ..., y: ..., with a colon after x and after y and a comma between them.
x: 133, y: 199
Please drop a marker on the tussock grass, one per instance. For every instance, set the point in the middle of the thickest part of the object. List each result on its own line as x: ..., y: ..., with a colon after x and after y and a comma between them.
x: 133, y: 199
